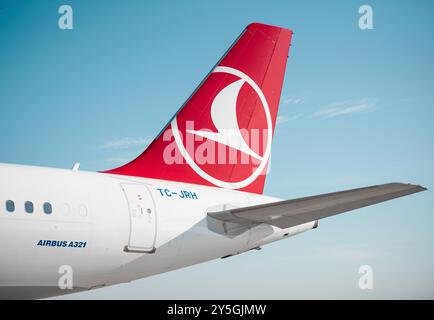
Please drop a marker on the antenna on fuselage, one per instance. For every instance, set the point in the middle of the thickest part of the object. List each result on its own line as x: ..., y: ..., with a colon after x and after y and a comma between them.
x: 76, y: 166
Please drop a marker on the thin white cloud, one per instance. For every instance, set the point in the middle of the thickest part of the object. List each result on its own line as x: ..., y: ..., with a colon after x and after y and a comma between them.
x: 293, y: 100
x: 346, y: 107
x: 126, y: 143
x: 118, y: 160
x: 124, y: 157
x: 283, y: 119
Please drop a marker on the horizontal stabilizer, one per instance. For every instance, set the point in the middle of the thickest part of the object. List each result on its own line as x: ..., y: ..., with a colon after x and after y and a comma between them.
x: 289, y: 213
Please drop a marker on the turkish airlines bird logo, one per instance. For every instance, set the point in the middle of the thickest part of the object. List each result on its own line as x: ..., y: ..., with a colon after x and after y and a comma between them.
x: 224, y: 116
x: 225, y: 119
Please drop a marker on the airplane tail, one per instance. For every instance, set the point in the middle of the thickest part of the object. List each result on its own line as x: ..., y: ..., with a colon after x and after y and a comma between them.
x: 222, y: 134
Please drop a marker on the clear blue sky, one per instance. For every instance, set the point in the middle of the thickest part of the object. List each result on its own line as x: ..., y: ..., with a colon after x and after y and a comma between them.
x: 356, y: 110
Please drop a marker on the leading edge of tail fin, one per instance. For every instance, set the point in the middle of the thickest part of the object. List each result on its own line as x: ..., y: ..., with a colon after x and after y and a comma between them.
x: 222, y: 134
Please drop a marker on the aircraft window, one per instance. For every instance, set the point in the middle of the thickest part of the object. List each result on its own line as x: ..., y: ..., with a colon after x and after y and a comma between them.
x: 48, y: 209
x: 28, y: 206
x: 10, y: 206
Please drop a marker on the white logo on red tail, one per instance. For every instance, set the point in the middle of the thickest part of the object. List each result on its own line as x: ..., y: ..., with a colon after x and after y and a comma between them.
x: 224, y: 117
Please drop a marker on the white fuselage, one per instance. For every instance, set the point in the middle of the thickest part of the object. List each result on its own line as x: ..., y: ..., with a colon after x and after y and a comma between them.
x: 91, y: 228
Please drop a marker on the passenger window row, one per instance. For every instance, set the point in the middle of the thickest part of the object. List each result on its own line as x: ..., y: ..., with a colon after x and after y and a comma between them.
x: 29, y: 207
